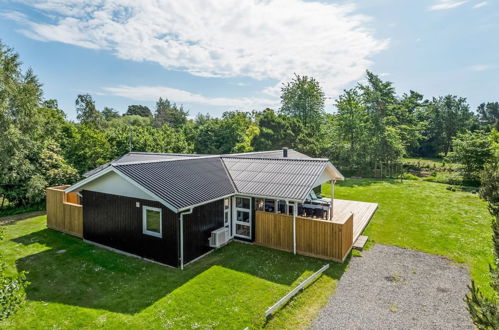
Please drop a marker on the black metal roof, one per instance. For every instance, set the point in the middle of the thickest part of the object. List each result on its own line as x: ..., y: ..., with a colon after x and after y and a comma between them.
x: 181, y: 182
x: 269, y: 154
x: 141, y: 157
x: 185, y: 180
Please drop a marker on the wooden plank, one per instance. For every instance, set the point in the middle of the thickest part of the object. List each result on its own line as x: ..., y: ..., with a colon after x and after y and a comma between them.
x: 61, y: 215
x: 293, y: 292
x: 274, y: 230
x: 360, y: 242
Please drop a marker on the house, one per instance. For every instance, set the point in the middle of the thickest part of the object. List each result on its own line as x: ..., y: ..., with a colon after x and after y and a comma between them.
x: 168, y: 207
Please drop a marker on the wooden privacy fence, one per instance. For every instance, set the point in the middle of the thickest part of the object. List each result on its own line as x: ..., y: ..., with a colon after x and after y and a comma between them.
x: 331, y: 240
x: 64, y: 212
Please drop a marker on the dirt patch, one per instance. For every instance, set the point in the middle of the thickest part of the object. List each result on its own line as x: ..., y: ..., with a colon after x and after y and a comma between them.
x: 10, y: 219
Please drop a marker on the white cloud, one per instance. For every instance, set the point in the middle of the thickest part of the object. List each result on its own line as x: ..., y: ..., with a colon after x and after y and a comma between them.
x: 269, y: 39
x: 480, y: 4
x: 447, y: 4
x: 152, y: 93
x: 481, y: 67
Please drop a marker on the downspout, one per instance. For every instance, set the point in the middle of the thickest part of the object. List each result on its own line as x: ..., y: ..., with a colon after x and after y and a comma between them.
x: 181, y: 223
x: 295, y: 212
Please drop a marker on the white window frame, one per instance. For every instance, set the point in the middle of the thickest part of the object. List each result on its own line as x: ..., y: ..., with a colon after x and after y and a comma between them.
x: 144, y: 221
x: 228, y: 214
x: 234, y: 217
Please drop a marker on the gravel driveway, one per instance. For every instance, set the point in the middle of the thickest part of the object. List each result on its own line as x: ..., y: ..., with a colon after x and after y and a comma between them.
x: 393, y: 288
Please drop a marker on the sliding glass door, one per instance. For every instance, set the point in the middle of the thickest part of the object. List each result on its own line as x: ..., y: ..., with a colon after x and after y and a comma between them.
x: 242, y: 217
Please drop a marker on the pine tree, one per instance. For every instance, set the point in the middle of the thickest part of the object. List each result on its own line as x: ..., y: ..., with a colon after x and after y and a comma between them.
x: 484, y: 310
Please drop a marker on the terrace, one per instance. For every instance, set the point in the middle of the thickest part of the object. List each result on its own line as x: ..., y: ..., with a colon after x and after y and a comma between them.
x: 320, y: 227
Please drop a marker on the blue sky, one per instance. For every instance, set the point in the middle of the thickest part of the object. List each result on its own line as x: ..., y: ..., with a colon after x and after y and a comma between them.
x: 230, y: 55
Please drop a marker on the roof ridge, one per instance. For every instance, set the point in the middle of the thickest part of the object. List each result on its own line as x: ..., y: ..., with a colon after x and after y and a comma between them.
x: 164, y: 153
x: 277, y: 158
x: 231, y: 179
x: 162, y: 160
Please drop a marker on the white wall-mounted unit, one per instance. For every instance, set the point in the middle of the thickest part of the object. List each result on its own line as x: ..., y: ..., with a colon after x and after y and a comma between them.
x: 219, y: 237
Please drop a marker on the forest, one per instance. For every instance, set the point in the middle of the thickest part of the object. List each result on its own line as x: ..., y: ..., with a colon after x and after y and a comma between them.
x: 371, y: 127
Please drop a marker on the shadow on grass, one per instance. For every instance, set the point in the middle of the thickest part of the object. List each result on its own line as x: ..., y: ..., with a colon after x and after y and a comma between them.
x: 75, y: 273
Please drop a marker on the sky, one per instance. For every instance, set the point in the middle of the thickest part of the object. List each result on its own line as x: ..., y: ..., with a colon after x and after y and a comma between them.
x: 214, y: 56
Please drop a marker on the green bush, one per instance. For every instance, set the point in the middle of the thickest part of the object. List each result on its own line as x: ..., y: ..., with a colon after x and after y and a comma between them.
x: 409, y: 176
x: 12, y: 294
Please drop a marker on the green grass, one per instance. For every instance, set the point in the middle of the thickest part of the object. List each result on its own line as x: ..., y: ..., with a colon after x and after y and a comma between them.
x: 425, y: 216
x: 77, y: 285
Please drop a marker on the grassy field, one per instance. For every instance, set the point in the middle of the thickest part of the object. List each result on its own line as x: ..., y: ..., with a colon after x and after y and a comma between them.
x: 77, y: 285
x: 427, y: 217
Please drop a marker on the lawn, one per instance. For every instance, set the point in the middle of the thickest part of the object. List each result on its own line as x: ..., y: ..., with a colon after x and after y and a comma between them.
x: 77, y: 285
x: 425, y: 216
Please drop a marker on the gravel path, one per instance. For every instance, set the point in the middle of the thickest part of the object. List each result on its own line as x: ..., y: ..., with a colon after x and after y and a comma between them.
x: 393, y: 288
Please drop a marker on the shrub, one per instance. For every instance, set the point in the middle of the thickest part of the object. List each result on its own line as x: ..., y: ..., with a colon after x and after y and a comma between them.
x: 12, y: 292
x: 409, y: 176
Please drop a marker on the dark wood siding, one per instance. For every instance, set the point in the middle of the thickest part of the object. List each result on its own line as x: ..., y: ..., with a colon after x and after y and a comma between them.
x: 198, y: 227
x: 116, y: 221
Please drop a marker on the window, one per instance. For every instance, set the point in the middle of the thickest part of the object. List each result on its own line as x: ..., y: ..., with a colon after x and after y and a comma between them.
x: 243, y: 203
x: 282, y: 207
x: 227, y: 212
x: 260, y: 204
x: 151, y: 221
x: 242, y: 217
x: 270, y: 205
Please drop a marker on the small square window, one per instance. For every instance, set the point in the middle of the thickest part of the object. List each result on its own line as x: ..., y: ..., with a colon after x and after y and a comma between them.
x: 270, y: 205
x: 243, y: 203
x: 151, y: 221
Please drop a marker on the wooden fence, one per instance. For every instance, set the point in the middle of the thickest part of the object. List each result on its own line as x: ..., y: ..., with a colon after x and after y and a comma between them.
x: 330, y: 240
x: 64, y: 212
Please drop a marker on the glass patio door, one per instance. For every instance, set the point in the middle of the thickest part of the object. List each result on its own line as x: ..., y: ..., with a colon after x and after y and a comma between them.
x: 242, y: 217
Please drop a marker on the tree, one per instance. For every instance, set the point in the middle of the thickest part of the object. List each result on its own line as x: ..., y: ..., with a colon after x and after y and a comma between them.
x: 484, y: 310
x: 489, y: 188
x: 378, y: 98
x: 138, y: 110
x: 86, y: 111
x: 472, y: 151
x: 22, y: 127
x: 87, y: 148
x: 110, y: 113
x: 488, y: 114
x: 12, y: 288
x: 352, y: 123
x: 232, y: 133
x: 275, y: 131
x: 448, y: 117
x: 169, y: 114
x: 304, y: 99
x: 411, y: 122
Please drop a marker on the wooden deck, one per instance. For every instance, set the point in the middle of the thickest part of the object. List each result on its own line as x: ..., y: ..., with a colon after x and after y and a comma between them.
x: 362, y: 214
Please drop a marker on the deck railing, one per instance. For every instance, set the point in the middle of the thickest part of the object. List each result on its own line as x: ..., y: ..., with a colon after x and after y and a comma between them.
x: 325, y: 239
x: 64, y: 212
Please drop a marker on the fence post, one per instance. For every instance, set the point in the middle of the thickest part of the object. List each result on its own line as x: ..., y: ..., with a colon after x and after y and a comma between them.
x: 295, y: 212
